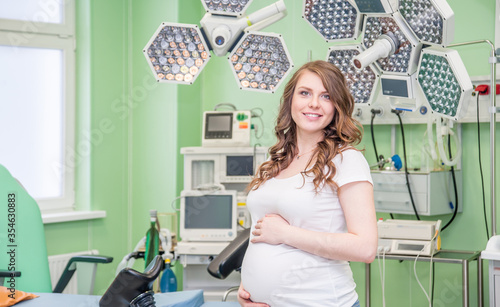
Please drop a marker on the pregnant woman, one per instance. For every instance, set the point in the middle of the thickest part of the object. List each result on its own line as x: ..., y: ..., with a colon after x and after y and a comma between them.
x: 312, y: 202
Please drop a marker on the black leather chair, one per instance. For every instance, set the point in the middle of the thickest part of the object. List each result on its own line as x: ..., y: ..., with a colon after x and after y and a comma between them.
x: 132, y: 288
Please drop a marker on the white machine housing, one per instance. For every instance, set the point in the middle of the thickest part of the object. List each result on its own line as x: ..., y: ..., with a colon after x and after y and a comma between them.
x: 408, y: 247
x: 407, y: 229
x: 226, y: 128
x: 409, y: 237
x: 208, y: 215
x: 432, y: 192
x: 227, y: 166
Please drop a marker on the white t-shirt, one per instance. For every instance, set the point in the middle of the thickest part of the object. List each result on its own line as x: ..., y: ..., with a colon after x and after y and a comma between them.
x: 281, y: 275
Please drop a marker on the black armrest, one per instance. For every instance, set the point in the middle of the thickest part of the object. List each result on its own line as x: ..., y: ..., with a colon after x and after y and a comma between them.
x: 70, y: 268
x: 130, y: 286
x: 8, y: 274
x: 5, y: 273
x: 231, y: 257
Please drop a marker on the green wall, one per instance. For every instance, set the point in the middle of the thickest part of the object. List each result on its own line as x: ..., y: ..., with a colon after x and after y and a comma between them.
x: 139, y: 127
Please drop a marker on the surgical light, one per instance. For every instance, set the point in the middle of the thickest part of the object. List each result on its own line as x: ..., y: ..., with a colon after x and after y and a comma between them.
x: 177, y: 53
x: 334, y: 20
x: 226, y: 7
x: 363, y: 83
x: 260, y: 61
x: 405, y: 40
x: 393, y: 36
x: 383, y: 30
x: 222, y: 32
x: 432, y: 21
x: 444, y: 81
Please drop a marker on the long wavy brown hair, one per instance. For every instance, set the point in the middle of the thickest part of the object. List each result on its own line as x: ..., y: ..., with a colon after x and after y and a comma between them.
x: 342, y: 133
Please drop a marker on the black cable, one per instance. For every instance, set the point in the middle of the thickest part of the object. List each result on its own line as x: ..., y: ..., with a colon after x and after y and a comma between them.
x: 406, y: 164
x: 452, y: 170
x: 481, y: 168
x: 432, y: 289
x: 373, y: 137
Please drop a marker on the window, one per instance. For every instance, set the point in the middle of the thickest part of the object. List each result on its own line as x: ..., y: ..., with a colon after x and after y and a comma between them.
x: 37, y: 82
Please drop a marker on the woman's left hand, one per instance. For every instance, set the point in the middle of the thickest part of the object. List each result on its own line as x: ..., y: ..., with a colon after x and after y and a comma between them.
x: 271, y: 229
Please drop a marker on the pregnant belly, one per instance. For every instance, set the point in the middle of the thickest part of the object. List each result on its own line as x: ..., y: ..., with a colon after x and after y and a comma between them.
x: 275, y: 274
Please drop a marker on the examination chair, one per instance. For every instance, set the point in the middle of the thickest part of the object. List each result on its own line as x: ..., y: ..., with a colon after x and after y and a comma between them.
x: 132, y: 288
x: 24, y: 264
x: 230, y: 259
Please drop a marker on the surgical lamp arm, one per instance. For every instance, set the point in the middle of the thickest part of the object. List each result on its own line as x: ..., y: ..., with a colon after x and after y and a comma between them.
x: 222, y: 31
x: 384, y: 46
x: 266, y: 16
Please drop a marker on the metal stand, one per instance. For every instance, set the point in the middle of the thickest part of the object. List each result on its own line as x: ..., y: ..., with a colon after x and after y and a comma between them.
x: 445, y: 256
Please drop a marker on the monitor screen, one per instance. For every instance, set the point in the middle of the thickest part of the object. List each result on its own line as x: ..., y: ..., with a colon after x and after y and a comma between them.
x: 370, y: 6
x: 239, y: 165
x: 208, y: 216
x: 395, y: 87
x: 208, y: 212
x: 219, y: 122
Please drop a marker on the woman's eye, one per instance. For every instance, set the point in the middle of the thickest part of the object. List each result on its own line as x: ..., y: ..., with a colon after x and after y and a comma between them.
x: 304, y: 93
x: 327, y: 97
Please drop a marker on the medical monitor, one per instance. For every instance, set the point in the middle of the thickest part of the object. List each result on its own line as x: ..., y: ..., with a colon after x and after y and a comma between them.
x: 397, y: 86
x: 208, y: 215
x: 222, y: 129
x: 239, y: 165
x: 219, y: 125
x: 233, y: 167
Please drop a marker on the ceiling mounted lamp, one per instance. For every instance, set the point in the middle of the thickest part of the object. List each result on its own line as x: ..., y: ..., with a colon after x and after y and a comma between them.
x: 444, y: 81
x: 226, y: 7
x: 363, y: 83
x: 394, y: 36
x: 432, y: 21
x: 389, y: 44
x: 260, y: 61
x: 177, y: 53
x: 222, y: 31
x: 333, y: 20
x: 393, y: 48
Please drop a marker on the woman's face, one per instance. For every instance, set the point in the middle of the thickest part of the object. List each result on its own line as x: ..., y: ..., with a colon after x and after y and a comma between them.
x: 312, y: 109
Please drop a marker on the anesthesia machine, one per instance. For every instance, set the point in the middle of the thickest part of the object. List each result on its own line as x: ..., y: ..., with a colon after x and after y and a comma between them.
x: 213, y: 201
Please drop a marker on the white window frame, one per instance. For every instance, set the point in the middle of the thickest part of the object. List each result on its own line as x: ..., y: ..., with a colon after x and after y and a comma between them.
x: 66, y: 28
x: 53, y: 36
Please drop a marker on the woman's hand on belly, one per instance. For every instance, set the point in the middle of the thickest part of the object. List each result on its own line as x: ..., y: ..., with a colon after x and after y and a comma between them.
x: 244, y: 299
x: 271, y: 229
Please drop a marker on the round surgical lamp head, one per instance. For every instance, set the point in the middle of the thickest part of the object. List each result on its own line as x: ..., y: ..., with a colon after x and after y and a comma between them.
x: 260, y: 61
x: 334, y: 20
x: 404, y: 60
x: 444, y: 81
x: 432, y: 21
x: 226, y: 7
x: 177, y: 53
x: 362, y: 83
